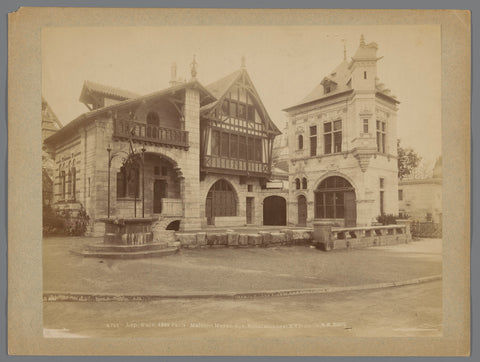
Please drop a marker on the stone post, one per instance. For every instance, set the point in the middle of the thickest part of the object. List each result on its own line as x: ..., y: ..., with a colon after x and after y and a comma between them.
x: 191, y: 195
x: 322, y: 235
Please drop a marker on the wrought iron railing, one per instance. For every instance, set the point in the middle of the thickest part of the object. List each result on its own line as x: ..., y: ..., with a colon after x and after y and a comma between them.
x: 150, y: 133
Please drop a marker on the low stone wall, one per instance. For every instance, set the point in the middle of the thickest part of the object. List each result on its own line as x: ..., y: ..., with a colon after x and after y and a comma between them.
x: 243, y: 240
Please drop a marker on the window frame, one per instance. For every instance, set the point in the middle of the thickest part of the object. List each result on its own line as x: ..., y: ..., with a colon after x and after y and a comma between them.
x: 332, y: 137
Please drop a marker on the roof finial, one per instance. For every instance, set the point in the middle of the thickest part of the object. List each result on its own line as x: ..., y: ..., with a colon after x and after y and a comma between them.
x: 193, y: 68
x: 362, y: 40
x: 344, y: 49
x: 243, y: 62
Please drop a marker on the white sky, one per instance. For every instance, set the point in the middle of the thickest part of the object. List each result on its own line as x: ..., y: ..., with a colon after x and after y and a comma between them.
x: 285, y: 64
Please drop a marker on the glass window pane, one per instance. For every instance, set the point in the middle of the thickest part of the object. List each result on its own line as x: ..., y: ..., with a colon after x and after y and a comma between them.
x: 313, y: 130
x: 258, y: 149
x: 215, y: 143
x: 327, y: 127
x: 329, y: 212
x: 337, y: 125
x: 224, y: 146
x: 233, y: 146
x: 339, y: 212
x: 242, y: 147
x: 233, y: 109
x: 329, y: 198
x: 241, y: 111
x: 338, y: 141
x: 327, y: 141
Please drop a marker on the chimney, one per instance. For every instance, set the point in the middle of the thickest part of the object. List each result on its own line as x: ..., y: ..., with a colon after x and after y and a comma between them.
x: 173, y: 75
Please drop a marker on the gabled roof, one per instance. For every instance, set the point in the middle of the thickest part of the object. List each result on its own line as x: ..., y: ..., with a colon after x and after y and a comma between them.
x: 205, y: 96
x: 50, y: 120
x: 105, y: 91
x: 220, y: 88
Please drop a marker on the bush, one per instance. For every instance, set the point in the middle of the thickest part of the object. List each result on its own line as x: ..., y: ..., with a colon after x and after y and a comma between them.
x: 63, y: 223
x: 387, y: 219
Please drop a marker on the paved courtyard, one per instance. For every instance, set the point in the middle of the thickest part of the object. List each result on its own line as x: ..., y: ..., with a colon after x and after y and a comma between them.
x: 413, y: 310
x: 235, y: 270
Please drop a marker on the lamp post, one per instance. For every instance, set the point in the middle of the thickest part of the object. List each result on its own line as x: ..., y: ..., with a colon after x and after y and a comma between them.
x: 109, y: 150
x: 143, y: 181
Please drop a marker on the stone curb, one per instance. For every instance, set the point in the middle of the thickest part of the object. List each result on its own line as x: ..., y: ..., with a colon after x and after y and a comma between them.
x: 106, y: 297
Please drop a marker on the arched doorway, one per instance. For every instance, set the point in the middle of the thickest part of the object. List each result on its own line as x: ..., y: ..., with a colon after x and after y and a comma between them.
x: 221, y: 201
x: 274, y: 211
x: 335, y: 200
x: 302, y: 210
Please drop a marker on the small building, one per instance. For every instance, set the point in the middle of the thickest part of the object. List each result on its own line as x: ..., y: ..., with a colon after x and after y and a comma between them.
x: 342, y: 140
x: 207, y: 154
x: 50, y: 125
x: 421, y: 199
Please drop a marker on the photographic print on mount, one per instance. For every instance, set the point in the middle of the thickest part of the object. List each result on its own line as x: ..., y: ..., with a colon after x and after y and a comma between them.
x: 243, y: 182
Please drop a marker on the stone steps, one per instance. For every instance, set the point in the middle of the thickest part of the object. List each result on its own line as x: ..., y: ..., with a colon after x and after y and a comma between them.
x: 101, y: 247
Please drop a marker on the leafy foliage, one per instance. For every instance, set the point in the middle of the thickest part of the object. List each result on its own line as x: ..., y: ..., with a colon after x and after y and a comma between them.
x: 63, y: 222
x: 408, y: 161
x: 387, y: 219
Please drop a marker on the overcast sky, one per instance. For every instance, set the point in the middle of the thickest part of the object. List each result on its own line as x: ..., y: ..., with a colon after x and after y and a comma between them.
x: 285, y: 64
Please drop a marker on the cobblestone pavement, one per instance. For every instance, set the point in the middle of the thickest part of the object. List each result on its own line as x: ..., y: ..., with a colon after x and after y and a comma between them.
x: 235, y: 270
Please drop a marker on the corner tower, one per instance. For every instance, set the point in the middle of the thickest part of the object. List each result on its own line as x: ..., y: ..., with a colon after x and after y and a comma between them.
x: 342, y: 146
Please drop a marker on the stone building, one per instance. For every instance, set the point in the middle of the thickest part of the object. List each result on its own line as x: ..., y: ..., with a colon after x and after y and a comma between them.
x: 342, y: 146
x: 50, y: 125
x: 421, y: 199
x: 207, y: 154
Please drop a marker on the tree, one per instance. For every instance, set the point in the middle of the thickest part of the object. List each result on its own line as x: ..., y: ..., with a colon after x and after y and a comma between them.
x: 408, y: 161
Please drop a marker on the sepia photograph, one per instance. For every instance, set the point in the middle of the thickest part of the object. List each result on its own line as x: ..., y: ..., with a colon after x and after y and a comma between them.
x: 247, y: 181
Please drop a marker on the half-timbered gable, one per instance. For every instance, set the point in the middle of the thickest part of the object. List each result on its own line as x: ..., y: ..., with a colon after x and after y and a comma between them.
x: 237, y: 132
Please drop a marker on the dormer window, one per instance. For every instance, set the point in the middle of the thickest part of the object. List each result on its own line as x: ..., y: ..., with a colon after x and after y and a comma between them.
x: 328, y: 89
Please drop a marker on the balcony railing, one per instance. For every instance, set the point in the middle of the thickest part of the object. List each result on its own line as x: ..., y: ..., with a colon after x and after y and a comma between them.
x: 150, y: 133
x: 235, y: 164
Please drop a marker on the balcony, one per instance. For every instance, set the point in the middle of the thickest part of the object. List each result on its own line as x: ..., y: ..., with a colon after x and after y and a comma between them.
x: 236, y: 165
x: 150, y: 134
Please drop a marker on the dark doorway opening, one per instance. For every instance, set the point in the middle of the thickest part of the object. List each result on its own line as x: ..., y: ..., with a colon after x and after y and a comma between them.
x: 274, y: 211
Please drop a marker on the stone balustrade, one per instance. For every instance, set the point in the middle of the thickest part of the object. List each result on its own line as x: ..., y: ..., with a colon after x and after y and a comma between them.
x: 327, y: 237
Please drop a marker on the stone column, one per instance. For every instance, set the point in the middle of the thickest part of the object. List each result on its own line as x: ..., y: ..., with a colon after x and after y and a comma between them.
x: 191, y: 167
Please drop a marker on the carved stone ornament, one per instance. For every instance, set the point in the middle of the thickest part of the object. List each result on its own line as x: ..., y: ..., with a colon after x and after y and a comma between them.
x: 299, y: 129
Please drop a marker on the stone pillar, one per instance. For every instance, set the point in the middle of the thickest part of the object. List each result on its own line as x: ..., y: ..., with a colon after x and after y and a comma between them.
x: 191, y: 167
x: 322, y: 235
x: 365, y: 212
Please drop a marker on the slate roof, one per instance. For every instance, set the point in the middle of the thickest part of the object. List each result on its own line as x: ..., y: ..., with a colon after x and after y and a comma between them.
x: 341, y: 75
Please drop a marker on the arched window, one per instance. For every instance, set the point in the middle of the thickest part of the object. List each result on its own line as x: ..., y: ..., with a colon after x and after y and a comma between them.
x: 69, y: 184
x: 332, y: 197
x: 300, y: 142
x: 221, y: 201
x: 62, y: 185
x: 304, y: 183
x: 74, y: 184
x: 297, y: 183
